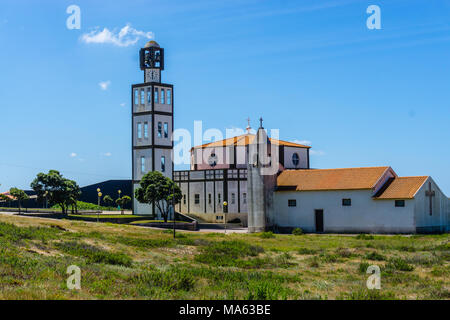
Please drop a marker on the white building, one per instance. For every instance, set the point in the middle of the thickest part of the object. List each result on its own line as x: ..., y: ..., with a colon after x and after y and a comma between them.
x: 290, y: 196
x: 359, y: 200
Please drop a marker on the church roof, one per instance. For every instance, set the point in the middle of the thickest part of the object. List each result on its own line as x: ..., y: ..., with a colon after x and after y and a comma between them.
x: 331, y: 179
x: 402, y: 188
x: 246, y: 139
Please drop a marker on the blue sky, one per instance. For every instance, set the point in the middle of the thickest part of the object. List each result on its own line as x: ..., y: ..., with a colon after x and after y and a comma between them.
x: 310, y: 68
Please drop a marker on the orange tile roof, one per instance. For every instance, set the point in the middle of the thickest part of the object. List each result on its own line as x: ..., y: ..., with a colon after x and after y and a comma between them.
x: 331, y: 179
x: 403, y: 188
x: 246, y: 139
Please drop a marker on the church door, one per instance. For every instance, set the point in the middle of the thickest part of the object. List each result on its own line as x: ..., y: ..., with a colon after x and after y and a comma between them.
x: 319, y: 220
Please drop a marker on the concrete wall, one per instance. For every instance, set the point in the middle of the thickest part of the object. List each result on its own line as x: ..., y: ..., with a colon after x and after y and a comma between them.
x: 364, y: 215
x: 438, y: 221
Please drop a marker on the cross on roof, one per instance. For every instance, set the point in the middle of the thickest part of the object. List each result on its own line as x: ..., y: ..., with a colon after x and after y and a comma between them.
x: 430, y: 194
x: 260, y: 122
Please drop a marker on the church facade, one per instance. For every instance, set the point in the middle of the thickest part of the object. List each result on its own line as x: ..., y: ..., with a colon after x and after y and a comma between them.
x: 268, y: 184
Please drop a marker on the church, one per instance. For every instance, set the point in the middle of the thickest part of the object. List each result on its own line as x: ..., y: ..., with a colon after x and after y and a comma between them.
x: 268, y: 184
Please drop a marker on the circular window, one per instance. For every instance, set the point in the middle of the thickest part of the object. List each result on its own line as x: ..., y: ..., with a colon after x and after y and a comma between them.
x: 212, y: 160
x: 295, y: 159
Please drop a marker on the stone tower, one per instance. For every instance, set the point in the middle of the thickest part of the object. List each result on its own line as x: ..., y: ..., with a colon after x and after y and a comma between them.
x: 262, y: 173
x: 152, y: 122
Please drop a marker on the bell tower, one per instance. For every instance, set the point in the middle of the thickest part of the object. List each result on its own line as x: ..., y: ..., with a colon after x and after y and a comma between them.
x: 152, y: 122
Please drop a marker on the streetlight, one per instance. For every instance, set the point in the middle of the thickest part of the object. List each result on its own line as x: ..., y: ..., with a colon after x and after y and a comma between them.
x: 225, y: 209
x: 120, y: 191
x: 99, y: 197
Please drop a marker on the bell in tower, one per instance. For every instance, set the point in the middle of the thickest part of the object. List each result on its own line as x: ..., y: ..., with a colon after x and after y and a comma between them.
x: 152, y: 61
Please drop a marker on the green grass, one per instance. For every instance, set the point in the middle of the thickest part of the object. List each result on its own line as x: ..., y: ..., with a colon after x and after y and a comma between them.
x: 127, y: 262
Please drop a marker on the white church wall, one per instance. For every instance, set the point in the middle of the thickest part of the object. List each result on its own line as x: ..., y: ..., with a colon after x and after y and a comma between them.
x: 364, y: 215
x: 303, y: 155
x: 438, y: 221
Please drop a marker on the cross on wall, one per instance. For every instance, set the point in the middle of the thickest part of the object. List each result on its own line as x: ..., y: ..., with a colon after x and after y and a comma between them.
x: 430, y: 194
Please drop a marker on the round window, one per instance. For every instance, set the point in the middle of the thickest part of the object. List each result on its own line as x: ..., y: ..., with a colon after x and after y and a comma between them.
x: 295, y: 159
x: 212, y: 160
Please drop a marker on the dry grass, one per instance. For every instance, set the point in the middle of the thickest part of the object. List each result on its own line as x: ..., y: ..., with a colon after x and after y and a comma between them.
x: 34, y: 255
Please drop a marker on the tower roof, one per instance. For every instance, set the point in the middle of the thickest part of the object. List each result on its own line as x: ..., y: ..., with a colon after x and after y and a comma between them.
x: 152, y: 44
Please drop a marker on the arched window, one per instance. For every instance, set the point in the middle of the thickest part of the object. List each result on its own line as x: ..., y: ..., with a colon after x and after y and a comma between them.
x: 295, y: 159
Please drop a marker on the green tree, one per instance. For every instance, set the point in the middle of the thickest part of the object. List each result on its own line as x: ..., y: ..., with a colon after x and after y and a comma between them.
x: 19, y: 195
x: 56, y: 189
x: 158, y: 190
x: 108, y: 200
x: 121, y: 202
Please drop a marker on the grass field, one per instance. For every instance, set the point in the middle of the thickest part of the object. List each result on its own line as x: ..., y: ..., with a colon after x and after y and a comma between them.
x: 128, y: 262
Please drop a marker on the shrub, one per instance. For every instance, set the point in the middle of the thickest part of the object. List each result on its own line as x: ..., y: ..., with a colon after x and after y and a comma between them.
x: 297, y: 232
x: 171, y: 280
x: 307, y: 251
x: 363, y: 236
x: 227, y: 253
x: 94, y: 254
x: 363, y: 267
x: 267, y: 235
x: 399, y: 264
x: 329, y: 258
x: 314, y: 263
x: 375, y: 256
x: 13, y: 233
x: 368, y: 295
x: 145, y: 243
x: 266, y: 290
x: 344, y: 253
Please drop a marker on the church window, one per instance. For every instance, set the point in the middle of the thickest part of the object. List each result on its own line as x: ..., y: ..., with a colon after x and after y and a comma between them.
x: 197, y: 198
x: 346, y: 202
x: 162, y: 96
x: 166, y: 130
x: 292, y: 203
x: 295, y: 159
x: 244, y: 198
x: 142, y: 165
x: 156, y: 95
x: 209, y: 198
x: 399, y: 203
x: 184, y: 198
x: 159, y: 129
x: 233, y: 198
x: 146, y: 130
x: 163, y: 164
x: 136, y: 96
x: 142, y: 96
x: 149, y: 95
x: 139, y: 130
x: 169, y: 96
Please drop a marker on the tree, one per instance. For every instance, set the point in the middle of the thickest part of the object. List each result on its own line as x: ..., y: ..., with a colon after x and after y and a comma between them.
x: 19, y: 195
x: 56, y: 189
x: 158, y: 190
x: 108, y: 200
x: 121, y: 202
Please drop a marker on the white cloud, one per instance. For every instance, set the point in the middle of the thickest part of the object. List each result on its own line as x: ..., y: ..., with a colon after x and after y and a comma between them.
x: 107, y: 154
x: 104, y: 85
x: 73, y: 155
x: 127, y: 36
x: 317, y: 152
x: 122, y: 104
x: 305, y: 142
